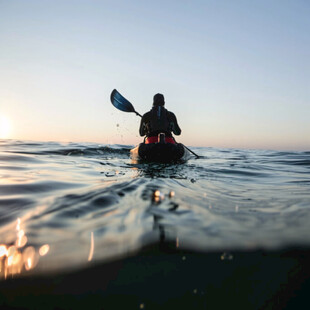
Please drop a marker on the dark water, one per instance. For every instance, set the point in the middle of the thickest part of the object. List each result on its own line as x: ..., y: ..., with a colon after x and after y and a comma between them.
x: 92, y: 203
x: 67, y: 207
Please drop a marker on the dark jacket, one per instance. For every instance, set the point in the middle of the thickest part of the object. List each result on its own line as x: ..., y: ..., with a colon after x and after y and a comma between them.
x: 158, y: 120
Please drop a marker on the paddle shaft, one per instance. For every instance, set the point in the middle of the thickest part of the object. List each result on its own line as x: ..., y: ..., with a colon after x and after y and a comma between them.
x: 191, y: 151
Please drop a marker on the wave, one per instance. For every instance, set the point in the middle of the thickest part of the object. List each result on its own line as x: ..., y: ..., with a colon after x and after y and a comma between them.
x: 66, y: 195
x: 17, y: 149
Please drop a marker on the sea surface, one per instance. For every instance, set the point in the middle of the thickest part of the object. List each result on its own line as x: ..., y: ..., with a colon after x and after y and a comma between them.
x: 67, y: 206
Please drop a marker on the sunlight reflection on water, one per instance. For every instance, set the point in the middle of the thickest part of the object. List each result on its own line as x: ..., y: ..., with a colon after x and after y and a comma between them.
x: 14, y: 259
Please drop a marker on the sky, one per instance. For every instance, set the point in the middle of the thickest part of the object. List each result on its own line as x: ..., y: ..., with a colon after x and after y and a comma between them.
x: 235, y: 73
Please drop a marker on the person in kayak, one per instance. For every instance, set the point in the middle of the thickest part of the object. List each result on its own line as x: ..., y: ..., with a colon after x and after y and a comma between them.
x: 159, y: 121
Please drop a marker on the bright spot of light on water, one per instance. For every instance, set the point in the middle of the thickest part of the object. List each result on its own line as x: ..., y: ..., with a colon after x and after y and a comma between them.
x: 5, y: 127
x: 29, y: 263
x: 16, y: 258
x: 21, y: 240
x: 44, y: 249
x: 18, y: 224
x: 3, y: 251
x: 91, y: 251
x: 227, y: 256
x: 158, y: 196
x: 30, y: 258
x: 157, y: 193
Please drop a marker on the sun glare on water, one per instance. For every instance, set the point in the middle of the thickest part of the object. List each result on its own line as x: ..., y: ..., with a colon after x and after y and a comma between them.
x: 5, y: 127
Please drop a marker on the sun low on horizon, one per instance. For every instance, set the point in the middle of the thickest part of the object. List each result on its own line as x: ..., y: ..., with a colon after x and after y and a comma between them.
x: 235, y: 74
x: 5, y: 127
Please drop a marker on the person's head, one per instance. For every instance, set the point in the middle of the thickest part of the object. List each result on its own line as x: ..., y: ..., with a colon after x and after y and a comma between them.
x: 158, y: 100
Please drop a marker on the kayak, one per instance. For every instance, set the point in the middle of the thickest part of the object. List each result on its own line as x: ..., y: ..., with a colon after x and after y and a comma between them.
x: 156, y: 149
x: 160, y: 152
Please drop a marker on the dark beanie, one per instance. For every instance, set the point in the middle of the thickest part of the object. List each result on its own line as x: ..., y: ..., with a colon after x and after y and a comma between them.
x: 159, y: 100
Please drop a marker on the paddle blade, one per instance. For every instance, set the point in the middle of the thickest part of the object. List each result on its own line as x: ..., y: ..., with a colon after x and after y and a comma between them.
x: 120, y: 102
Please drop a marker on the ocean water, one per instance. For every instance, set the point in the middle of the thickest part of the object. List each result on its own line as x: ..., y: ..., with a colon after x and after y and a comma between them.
x: 69, y: 206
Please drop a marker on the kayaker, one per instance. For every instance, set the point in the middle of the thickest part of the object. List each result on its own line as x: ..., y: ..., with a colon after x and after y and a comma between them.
x: 157, y: 121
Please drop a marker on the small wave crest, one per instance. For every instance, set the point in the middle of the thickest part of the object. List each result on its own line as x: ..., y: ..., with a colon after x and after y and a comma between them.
x: 17, y: 149
x: 105, y: 151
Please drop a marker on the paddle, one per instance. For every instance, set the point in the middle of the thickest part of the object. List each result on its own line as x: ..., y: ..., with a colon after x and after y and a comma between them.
x: 121, y: 103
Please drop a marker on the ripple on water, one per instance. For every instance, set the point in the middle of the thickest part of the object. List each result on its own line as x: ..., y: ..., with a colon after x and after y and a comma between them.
x: 11, y: 208
x: 91, y: 194
x: 18, y: 158
x: 35, y: 188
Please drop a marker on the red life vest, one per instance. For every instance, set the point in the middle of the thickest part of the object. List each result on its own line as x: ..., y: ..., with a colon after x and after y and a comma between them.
x: 155, y: 139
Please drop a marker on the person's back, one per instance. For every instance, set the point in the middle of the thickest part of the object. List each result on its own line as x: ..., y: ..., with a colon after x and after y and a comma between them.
x: 159, y: 120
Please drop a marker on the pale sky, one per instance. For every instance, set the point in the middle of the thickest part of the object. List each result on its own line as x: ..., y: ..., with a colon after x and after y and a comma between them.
x: 235, y: 73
